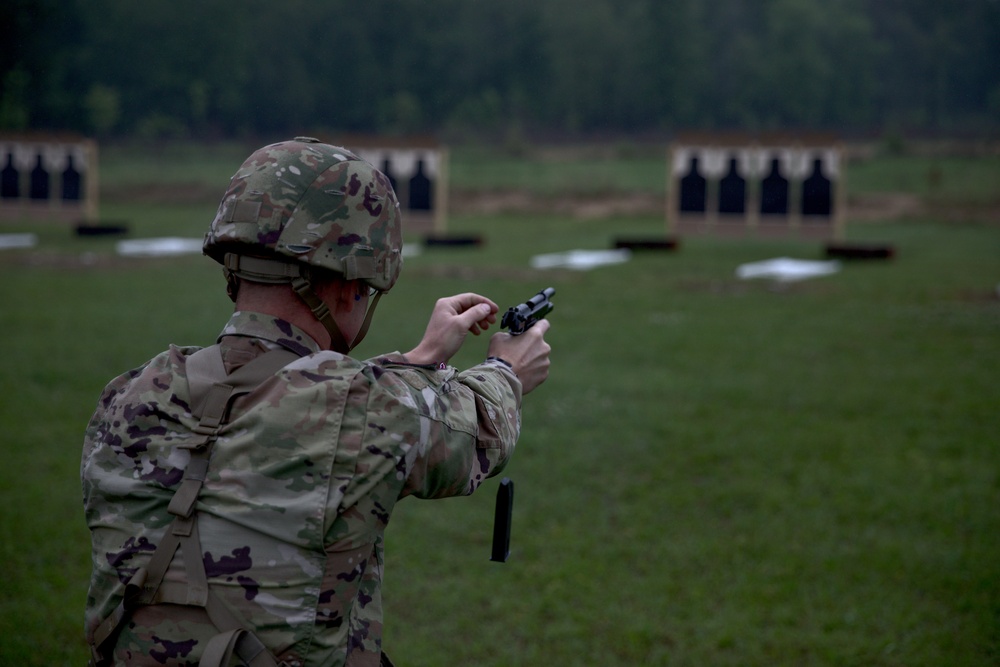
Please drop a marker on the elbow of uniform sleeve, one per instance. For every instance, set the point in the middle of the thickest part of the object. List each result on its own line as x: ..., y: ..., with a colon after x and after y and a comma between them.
x: 473, y: 424
x: 498, y: 411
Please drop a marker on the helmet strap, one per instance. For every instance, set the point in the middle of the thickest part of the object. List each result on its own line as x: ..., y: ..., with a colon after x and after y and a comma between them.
x: 232, y: 284
x: 305, y: 290
x: 363, y: 331
x: 274, y: 272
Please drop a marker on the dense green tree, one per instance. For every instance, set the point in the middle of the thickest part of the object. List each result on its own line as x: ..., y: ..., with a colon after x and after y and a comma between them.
x: 38, y: 40
x: 206, y: 68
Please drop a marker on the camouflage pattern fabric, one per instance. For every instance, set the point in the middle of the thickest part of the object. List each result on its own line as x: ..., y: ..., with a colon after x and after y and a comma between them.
x: 300, y: 488
x: 315, y: 204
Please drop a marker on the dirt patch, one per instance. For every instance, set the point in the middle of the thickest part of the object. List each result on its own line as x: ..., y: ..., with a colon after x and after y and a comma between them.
x: 883, y: 206
x: 861, y: 208
x: 575, y: 206
x: 875, y: 207
x: 866, y: 208
x: 463, y: 203
x: 887, y: 206
x: 164, y: 193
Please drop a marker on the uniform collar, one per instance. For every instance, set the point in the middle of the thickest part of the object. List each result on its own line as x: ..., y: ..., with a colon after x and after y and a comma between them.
x: 272, y: 329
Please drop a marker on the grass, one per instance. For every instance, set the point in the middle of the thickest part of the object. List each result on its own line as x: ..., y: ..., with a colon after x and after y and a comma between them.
x: 717, y: 472
x: 943, y: 180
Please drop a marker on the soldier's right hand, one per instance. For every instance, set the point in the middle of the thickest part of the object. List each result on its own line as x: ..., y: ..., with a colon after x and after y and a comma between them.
x: 528, y: 354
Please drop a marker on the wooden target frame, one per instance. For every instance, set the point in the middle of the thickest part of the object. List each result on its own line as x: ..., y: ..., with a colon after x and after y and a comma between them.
x: 48, y: 177
x: 756, y: 186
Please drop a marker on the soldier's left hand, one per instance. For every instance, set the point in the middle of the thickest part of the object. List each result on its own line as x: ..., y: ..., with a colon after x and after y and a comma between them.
x: 452, y: 319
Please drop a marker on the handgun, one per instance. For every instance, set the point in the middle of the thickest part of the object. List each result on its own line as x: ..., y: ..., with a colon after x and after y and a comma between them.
x: 523, y: 316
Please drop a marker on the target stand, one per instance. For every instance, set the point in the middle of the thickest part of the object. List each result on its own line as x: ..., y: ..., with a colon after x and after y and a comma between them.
x: 762, y: 186
x: 756, y: 186
x: 48, y: 177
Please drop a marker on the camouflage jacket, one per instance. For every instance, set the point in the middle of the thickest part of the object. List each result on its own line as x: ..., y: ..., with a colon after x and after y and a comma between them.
x: 301, y: 484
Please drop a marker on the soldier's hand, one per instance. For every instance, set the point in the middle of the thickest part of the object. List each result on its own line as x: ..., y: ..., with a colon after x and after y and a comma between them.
x: 452, y: 319
x: 528, y: 354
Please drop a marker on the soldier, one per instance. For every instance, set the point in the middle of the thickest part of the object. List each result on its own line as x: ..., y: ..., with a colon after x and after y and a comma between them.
x: 238, y: 494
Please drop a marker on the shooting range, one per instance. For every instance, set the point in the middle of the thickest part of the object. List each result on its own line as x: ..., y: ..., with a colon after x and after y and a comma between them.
x: 762, y: 186
x: 769, y: 432
x: 48, y: 177
x: 746, y: 186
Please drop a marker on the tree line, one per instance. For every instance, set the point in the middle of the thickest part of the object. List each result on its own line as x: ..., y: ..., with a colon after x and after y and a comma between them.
x: 211, y: 69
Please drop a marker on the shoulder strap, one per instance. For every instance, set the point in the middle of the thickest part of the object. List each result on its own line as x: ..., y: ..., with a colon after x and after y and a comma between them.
x: 212, y: 393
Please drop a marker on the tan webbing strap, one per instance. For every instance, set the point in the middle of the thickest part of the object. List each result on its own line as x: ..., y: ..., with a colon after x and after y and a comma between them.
x: 219, y: 650
x: 321, y: 312
x: 108, y: 627
x: 239, y: 642
x: 262, y: 270
x: 186, y: 530
x: 363, y: 331
x: 214, y: 405
x: 210, y: 401
x: 204, y: 368
x: 248, y: 646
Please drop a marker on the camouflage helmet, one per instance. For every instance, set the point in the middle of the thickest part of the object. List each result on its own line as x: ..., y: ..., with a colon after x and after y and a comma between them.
x: 308, y: 203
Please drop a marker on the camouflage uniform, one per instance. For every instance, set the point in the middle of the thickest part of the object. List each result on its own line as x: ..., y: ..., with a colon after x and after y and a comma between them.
x: 301, y: 485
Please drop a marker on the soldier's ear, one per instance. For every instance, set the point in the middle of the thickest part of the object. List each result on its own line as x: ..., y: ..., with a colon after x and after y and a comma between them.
x: 346, y: 293
x: 341, y: 295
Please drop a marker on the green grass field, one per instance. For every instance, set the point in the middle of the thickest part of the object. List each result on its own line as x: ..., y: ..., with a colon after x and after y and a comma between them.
x: 718, y: 472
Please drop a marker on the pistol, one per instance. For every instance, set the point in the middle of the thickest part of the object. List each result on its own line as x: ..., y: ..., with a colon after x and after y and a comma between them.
x: 522, y: 317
